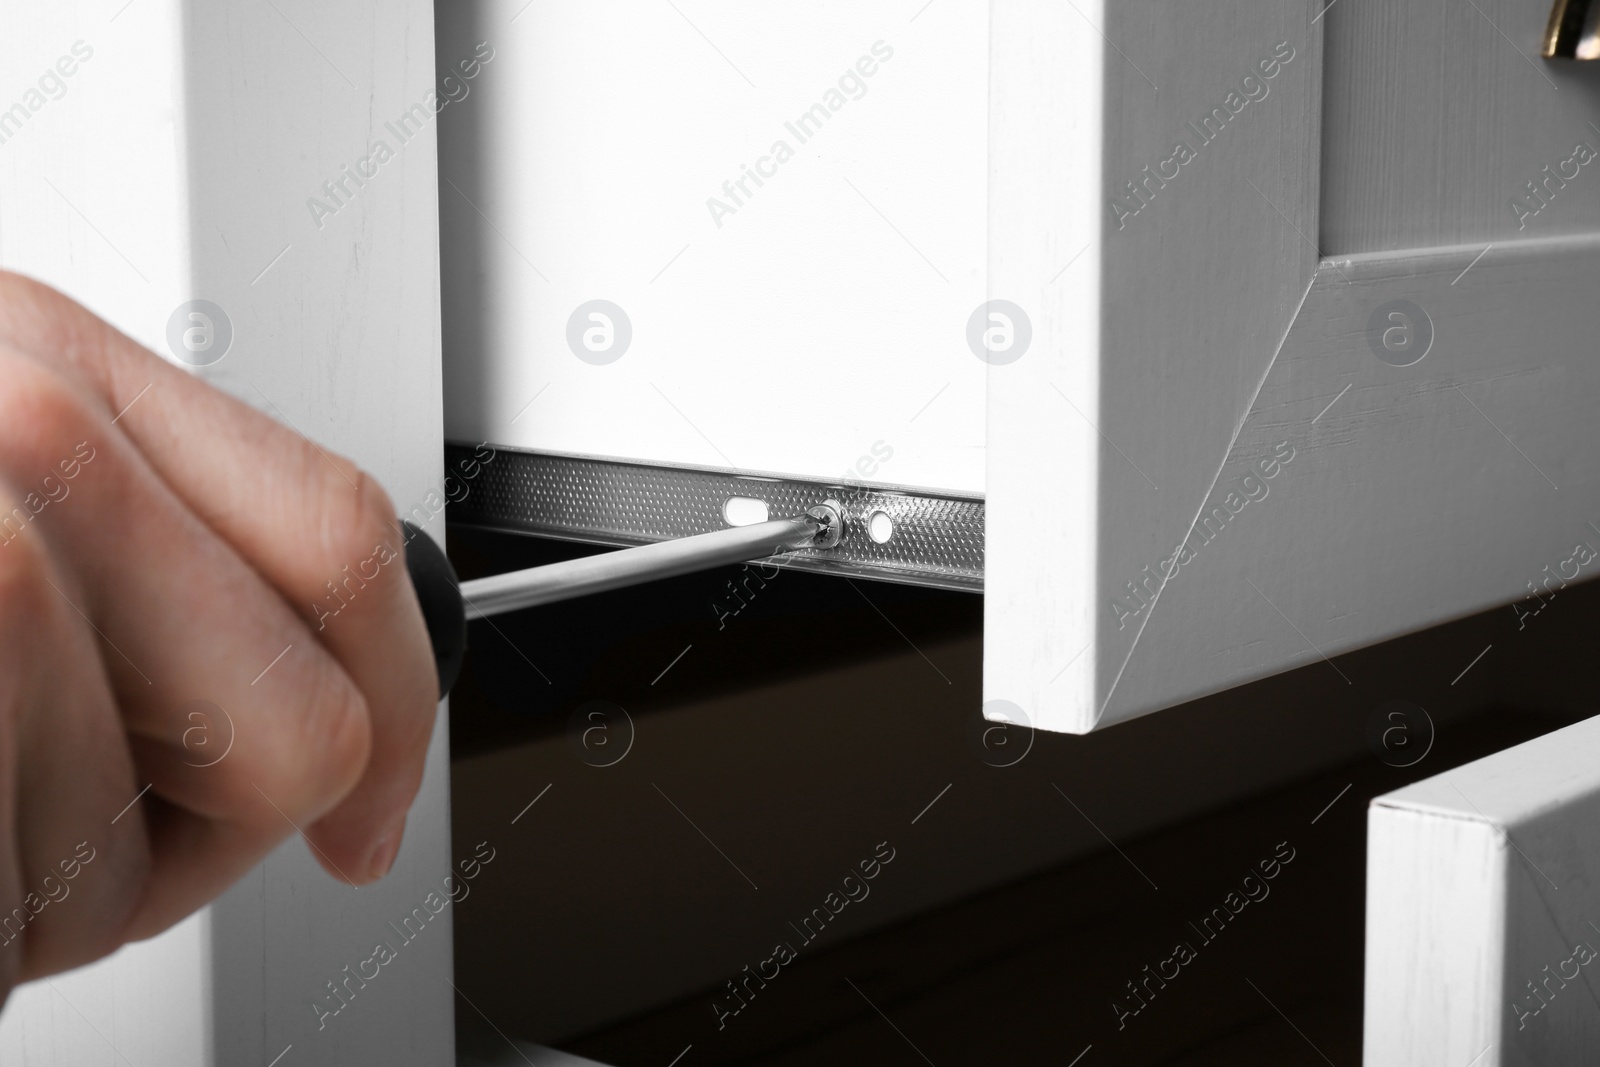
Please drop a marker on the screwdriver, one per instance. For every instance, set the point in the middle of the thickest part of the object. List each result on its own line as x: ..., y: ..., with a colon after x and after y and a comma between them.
x: 447, y: 602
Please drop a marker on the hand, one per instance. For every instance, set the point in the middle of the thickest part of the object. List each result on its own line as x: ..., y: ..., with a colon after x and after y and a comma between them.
x: 158, y: 558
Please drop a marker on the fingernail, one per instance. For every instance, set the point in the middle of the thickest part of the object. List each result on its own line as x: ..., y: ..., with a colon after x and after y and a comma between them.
x: 384, y: 852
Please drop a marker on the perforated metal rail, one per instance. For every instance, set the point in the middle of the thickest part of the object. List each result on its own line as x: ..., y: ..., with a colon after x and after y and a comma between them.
x: 936, y: 540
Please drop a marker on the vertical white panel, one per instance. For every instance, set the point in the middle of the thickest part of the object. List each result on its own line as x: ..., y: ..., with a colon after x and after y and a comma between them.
x: 1041, y: 548
x: 92, y: 182
x: 1483, y: 892
x: 93, y: 201
x: 781, y: 323
x: 336, y: 319
x: 150, y: 1003
x: 1435, y: 945
x: 1160, y: 285
x: 189, y: 165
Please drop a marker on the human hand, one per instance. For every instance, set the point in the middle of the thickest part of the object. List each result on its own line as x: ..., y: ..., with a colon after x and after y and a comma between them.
x: 162, y: 543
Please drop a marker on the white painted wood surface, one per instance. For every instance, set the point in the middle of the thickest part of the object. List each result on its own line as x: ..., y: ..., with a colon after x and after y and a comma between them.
x: 1209, y: 468
x: 1152, y: 331
x: 1438, y: 116
x: 182, y: 156
x: 824, y: 312
x: 1403, y: 496
x: 1414, y: 494
x: 1483, y: 895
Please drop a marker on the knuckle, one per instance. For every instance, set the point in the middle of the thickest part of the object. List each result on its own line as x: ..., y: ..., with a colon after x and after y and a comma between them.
x: 309, y: 753
x: 357, y: 515
x: 44, y: 418
x: 404, y: 766
x: 24, y: 563
x: 336, y: 732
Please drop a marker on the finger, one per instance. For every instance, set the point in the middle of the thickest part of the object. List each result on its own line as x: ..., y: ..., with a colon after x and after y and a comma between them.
x: 311, y: 523
x: 74, y: 872
x: 181, y: 616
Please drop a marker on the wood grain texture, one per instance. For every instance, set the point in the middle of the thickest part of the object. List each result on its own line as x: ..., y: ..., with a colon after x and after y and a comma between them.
x: 1152, y: 333
x: 1413, y: 494
x: 1437, y: 116
x: 193, y: 141
x: 1483, y: 884
x: 1238, y: 514
x: 344, y: 344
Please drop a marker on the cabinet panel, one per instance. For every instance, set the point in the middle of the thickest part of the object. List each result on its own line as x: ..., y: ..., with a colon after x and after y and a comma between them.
x: 747, y: 237
x: 1151, y: 193
x: 1482, y: 884
x: 181, y: 163
x: 1439, y: 115
x: 1228, y: 453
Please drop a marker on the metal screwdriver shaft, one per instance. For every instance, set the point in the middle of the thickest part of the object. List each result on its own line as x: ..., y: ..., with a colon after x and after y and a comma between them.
x: 630, y: 566
x: 447, y: 604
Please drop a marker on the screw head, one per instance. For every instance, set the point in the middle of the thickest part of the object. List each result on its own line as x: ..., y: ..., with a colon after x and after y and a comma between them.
x: 831, y: 514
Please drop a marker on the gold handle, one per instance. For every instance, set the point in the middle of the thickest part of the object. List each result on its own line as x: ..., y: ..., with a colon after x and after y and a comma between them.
x: 1573, y: 33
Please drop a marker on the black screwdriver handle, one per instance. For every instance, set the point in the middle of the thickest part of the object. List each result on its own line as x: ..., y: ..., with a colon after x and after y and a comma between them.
x: 445, y: 600
x: 439, y: 593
